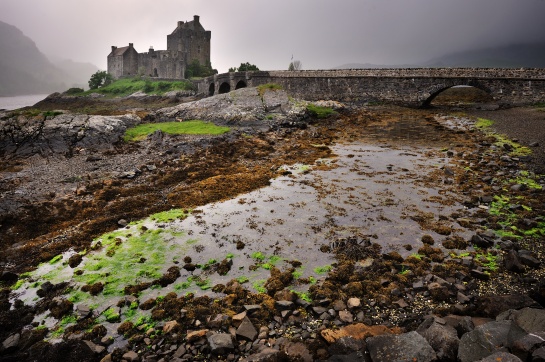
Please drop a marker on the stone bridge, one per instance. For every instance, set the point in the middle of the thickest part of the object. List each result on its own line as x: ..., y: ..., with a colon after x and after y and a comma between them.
x: 414, y: 87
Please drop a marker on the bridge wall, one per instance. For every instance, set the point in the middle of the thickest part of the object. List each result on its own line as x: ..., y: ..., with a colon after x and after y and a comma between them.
x: 408, y: 87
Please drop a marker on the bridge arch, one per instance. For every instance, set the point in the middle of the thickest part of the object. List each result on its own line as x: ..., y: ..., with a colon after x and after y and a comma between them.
x: 437, y: 89
x: 225, y: 87
x: 211, y: 89
x: 241, y: 84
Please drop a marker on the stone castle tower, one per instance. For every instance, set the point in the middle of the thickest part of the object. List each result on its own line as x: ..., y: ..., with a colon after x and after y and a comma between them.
x: 187, y: 43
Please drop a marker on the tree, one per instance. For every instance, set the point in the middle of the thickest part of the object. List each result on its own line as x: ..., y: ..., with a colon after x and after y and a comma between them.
x: 295, y: 65
x: 244, y: 67
x: 195, y: 69
x: 100, y: 79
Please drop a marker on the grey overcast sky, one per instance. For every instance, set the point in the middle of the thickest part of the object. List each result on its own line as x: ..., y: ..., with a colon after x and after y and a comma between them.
x: 320, y: 33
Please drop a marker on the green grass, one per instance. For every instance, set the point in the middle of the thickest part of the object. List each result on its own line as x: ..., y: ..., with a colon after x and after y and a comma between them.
x: 269, y: 86
x: 323, y: 269
x: 170, y: 215
x: 517, y: 150
x: 319, y: 112
x: 194, y: 127
x: 259, y: 286
x: 127, y: 86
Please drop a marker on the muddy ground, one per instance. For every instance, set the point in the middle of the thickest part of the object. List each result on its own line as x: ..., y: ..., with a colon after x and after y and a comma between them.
x: 70, y: 201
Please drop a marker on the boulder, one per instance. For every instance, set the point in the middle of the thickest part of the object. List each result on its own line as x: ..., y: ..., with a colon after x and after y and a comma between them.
x: 501, y: 356
x: 221, y: 343
x: 402, y: 347
x: 246, y: 330
x: 496, y: 336
x: 441, y: 337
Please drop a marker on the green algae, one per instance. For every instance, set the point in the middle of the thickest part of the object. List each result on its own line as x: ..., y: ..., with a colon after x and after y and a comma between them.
x: 323, y: 269
x: 170, y: 215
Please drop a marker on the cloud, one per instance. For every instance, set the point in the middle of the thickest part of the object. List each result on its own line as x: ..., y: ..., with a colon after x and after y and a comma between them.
x: 320, y: 33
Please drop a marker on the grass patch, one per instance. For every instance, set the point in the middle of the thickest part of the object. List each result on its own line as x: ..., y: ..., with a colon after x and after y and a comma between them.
x: 269, y: 86
x: 259, y: 286
x: 194, y: 127
x: 323, y: 269
x: 319, y: 112
x: 517, y: 150
x: 127, y: 86
x: 170, y: 215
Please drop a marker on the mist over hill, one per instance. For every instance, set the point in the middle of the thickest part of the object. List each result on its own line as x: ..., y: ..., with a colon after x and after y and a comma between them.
x: 24, y: 69
x: 511, y: 56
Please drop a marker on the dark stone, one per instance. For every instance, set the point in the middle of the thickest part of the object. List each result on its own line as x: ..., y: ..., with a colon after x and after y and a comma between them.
x: 8, y: 277
x: 477, y: 274
x: 488, y: 338
x: 247, y: 330
x: 529, y: 260
x: 402, y: 347
x: 539, y: 355
x: 491, y: 306
x: 11, y: 343
x: 346, y: 345
x: 501, y: 356
x: 523, y: 347
x: 512, y: 262
x: 267, y: 355
x: 532, y: 320
x: 221, y: 343
x: 441, y: 337
x: 283, y: 305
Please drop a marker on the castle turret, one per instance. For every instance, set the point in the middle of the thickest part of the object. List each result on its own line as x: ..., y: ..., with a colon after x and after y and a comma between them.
x: 196, y: 19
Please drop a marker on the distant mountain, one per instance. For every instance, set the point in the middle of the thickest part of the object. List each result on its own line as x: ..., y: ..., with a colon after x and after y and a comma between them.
x: 372, y: 66
x: 78, y: 73
x: 26, y: 70
x: 512, y: 56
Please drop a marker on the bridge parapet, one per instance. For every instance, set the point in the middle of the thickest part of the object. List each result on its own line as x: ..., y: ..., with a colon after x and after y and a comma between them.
x: 407, y: 86
x: 488, y: 73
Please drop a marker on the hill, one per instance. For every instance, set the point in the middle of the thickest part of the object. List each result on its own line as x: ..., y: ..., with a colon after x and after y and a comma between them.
x: 511, y: 56
x: 24, y: 69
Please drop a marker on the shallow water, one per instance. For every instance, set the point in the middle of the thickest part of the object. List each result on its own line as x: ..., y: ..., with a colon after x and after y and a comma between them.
x: 374, y: 189
x: 10, y: 103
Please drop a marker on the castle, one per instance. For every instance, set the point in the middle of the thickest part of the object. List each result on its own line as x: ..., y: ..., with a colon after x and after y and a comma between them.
x: 187, y: 43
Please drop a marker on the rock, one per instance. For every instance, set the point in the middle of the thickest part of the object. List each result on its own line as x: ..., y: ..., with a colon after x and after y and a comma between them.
x: 238, y: 318
x: 534, y: 144
x: 247, y: 330
x: 531, y: 320
x: 523, y: 347
x: 358, y: 331
x: 266, y: 355
x: 529, y: 260
x: 179, y: 352
x: 83, y: 311
x: 297, y: 352
x: 501, y: 356
x: 539, y: 355
x: 283, y: 305
x: 441, y: 337
x: 403, y: 347
x: 491, y: 306
x: 346, y: 317
x: 95, y: 348
x: 347, y: 345
x: 11, y: 343
x: 122, y: 222
x: 488, y: 338
x: 512, y: 262
x: 169, y: 326
x: 353, y: 303
x: 221, y: 343
x: 243, y: 106
x: 196, y: 335
x: 131, y: 356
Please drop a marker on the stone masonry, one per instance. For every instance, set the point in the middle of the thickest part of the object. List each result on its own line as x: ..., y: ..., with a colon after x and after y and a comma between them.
x: 187, y: 43
x: 415, y: 87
